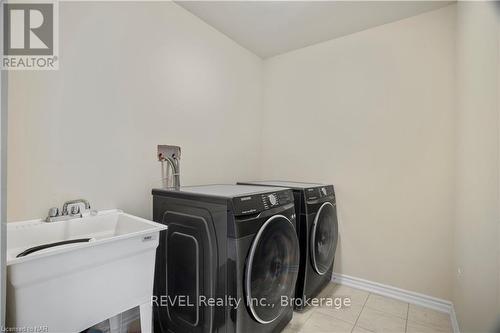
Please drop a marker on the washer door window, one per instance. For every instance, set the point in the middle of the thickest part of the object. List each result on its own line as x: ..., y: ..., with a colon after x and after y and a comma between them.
x: 272, y: 269
x: 324, y: 238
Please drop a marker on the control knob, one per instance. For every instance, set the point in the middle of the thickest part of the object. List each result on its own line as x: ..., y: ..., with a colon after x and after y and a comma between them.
x: 272, y: 199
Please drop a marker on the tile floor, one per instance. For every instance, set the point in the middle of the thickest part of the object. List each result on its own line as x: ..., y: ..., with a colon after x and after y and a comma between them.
x: 368, y: 313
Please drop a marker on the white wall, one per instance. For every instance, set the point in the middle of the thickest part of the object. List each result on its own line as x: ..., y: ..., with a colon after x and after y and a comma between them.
x: 477, y: 240
x: 372, y: 113
x: 132, y: 75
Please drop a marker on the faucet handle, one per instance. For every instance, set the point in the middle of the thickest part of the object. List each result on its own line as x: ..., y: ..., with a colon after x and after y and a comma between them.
x: 53, y: 212
x: 75, y: 209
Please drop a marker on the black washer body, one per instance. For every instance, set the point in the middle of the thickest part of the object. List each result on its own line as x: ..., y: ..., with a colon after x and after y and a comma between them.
x: 205, y: 252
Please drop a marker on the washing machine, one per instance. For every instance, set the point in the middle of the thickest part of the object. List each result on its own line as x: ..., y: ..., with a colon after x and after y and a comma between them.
x: 317, y: 230
x: 227, y: 261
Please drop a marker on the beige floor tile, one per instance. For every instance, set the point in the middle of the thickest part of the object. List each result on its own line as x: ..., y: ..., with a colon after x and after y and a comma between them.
x: 349, y: 314
x: 378, y: 321
x: 357, y: 296
x: 413, y: 327
x: 358, y: 329
x: 428, y: 317
x: 298, y: 320
x: 290, y: 329
x: 321, y: 323
x: 388, y: 305
x: 328, y: 290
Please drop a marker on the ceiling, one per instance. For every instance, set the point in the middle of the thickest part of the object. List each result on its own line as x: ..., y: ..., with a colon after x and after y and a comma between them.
x: 269, y: 28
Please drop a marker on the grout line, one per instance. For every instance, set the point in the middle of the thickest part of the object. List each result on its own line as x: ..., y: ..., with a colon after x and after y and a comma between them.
x: 407, y: 313
x: 332, y: 317
x: 360, y: 312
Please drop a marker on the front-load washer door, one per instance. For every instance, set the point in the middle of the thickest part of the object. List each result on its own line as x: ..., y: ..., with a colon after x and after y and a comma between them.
x: 324, y: 235
x: 272, y: 268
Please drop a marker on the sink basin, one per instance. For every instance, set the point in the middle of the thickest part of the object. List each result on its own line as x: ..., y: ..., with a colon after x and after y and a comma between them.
x: 64, y: 286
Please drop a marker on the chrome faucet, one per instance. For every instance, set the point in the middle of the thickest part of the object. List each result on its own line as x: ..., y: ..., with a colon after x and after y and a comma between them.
x: 72, y: 203
x: 171, y: 155
x: 71, y: 210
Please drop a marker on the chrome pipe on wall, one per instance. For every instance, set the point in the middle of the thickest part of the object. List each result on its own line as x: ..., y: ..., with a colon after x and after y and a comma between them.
x: 171, y: 155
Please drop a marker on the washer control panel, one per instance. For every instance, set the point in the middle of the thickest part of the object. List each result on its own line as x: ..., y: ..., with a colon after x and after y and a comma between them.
x: 274, y: 199
x: 252, y: 204
x: 316, y: 193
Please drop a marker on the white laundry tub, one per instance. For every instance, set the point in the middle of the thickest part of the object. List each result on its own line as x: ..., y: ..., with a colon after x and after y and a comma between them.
x: 69, y: 288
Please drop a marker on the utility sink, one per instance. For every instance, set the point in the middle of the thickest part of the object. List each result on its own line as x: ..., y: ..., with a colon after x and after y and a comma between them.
x: 69, y: 275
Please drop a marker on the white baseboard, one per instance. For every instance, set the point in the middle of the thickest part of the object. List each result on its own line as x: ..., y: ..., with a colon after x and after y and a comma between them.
x: 454, y: 321
x: 400, y: 294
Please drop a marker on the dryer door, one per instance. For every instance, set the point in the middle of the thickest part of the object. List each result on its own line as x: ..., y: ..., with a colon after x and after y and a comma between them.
x: 272, y: 268
x: 324, y: 235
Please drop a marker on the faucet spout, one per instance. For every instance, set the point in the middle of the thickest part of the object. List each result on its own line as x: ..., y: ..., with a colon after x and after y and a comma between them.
x: 72, y: 202
x: 71, y: 209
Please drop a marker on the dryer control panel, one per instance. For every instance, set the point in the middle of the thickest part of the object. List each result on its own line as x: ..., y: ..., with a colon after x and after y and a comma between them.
x: 316, y: 193
x: 256, y: 203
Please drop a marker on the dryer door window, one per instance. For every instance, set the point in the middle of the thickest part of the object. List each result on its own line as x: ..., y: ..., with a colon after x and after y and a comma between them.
x: 324, y: 236
x: 271, y: 270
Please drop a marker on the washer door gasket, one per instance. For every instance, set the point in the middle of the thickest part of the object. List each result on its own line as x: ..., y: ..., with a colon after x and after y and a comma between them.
x: 324, y: 235
x: 272, y: 268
